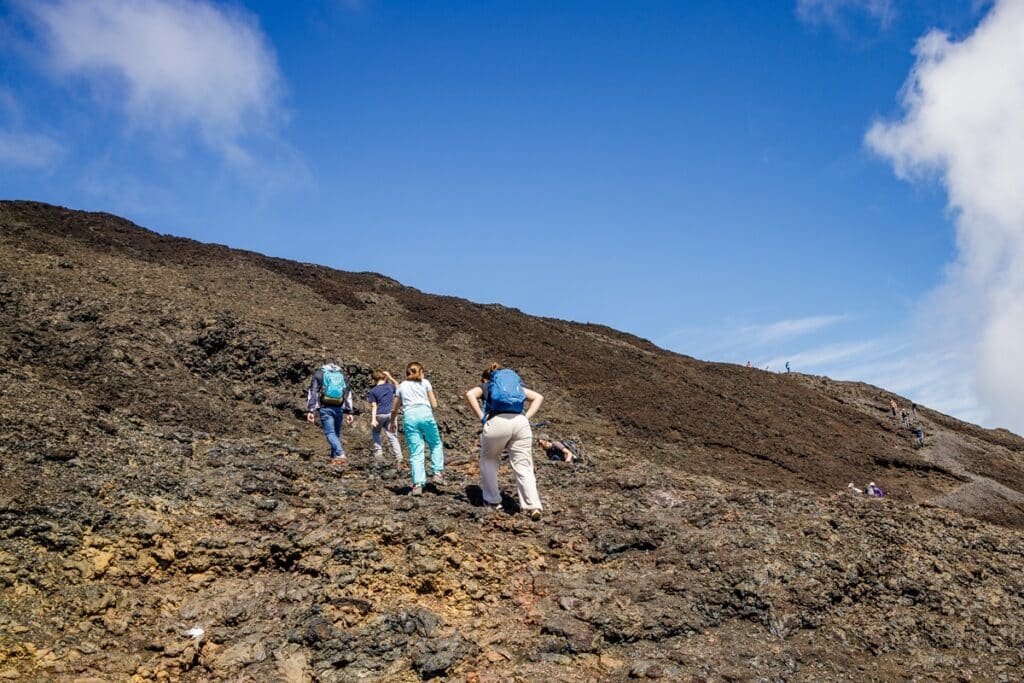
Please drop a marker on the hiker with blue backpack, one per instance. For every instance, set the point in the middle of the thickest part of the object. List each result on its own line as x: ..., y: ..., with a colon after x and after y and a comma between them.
x: 506, y: 410
x: 415, y: 397
x: 330, y: 397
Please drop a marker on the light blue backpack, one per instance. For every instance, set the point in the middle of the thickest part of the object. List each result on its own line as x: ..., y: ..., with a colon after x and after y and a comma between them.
x: 332, y: 389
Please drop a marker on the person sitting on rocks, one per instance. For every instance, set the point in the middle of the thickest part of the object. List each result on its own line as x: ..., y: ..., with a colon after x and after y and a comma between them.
x: 506, y: 427
x: 330, y: 397
x: 415, y: 396
x: 555, y: 450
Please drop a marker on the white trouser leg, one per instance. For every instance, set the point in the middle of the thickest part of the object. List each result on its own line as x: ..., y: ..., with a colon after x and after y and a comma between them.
x: 492, y: 443
x: 520, y: 457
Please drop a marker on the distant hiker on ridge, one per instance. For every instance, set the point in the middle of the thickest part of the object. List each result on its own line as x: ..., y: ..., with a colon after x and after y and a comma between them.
x: 892, y: 406
x: 381, y: 399
x: 906, y: 418
x: 787, y: 367
x: 415, y: 396
x: 506, y: 427
x: 330, y: 396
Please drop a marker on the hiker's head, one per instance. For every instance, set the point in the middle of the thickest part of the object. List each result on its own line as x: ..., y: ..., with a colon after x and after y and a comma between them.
x: 414, y: 371
x: 378, y: 375
x: 544, y: 443
x: 486, y: 375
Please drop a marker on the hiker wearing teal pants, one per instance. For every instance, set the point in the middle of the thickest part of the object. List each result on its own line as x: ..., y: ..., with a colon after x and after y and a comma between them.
x: 415, y: 397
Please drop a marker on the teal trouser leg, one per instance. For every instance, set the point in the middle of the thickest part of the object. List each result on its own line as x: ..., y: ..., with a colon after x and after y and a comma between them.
x: 433, y: 437
x: 414, y: 438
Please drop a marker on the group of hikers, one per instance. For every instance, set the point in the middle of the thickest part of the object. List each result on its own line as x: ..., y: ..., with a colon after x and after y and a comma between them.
x: 906, y: 418
x: 502, y: 403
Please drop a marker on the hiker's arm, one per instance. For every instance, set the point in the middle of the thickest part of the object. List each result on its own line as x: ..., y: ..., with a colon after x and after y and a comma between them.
x: 473, y: 396
x: 313, y: 394
x: 388, y: 377
x: 373, y: 413
x: 348, y: 408
x: 311, y: 399
x: 535, y: 400
x: 396, y: 410
x: 433, y: 399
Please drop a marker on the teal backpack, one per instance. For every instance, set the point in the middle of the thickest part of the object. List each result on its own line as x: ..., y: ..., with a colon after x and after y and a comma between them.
x: 333, y: 387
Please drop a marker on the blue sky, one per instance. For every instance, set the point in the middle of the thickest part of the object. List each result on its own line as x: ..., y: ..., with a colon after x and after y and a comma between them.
x: 697, y: 173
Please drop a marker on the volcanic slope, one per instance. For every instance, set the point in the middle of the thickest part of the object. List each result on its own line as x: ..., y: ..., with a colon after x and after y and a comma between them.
x: 157, y: 479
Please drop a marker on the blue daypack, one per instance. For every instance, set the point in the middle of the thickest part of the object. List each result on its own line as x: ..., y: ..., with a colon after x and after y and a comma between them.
x: 505, y: 393
x: 332, y: 389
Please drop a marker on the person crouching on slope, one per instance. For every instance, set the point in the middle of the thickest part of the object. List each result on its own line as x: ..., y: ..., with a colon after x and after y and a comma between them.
x: 381, y: 399
x: 330, y: 396
x: 506, y: 427
x: 415, y: 397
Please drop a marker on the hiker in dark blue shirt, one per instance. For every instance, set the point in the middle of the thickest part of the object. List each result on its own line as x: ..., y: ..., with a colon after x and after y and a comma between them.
x: 555, y: 450
x: 381, y: 399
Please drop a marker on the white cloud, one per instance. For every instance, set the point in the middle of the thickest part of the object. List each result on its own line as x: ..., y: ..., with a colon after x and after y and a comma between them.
x: 836, y: 12
x: 817, y: 358
x: 29, y: 150
x: 169, y: 64
x: 787, y: 329
x: 962, y: 123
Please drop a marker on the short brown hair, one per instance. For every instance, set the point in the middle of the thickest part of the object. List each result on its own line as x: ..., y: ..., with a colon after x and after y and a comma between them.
x: 414, y: 371
x: 486, y: 375
x: 378, y: 374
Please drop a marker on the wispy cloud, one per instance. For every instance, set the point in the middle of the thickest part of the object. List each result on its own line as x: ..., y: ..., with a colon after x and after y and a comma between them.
x: 20, y: 146
x: 962, y: 123
x: 28, y: 150
x: 788, y: 329
x: 817, y: 358
x: 169, y: 64
x: 836, y: 13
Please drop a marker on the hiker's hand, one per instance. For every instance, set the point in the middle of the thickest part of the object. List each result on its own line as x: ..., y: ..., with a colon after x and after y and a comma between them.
x: 374, y: 422
x: 349, y: 419
x: 310, y: 418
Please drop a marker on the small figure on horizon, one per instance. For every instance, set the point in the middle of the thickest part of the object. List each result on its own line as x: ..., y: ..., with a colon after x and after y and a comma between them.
x: 748, y: 363
x: 892, y: 406
x: 787, y: 367
x: 913, y: 410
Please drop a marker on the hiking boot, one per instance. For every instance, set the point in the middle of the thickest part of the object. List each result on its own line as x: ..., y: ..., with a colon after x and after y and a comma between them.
x: 417, y: 489
x: 340, y: 460
x: 378, y: 453
x: 438, y: 479
x: 535, y: 515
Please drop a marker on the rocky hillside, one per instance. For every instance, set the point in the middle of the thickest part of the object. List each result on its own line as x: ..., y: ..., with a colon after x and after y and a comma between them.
x: 167, y: 515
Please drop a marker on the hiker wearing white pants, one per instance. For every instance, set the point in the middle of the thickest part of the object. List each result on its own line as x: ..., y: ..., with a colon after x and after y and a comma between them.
x: 514, y: 433
x: 506, y: 427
